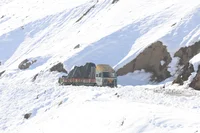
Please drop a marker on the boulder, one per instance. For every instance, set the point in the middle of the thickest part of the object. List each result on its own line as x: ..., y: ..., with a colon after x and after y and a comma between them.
x: 154, y: 59
x: 58, y: 67
x: 25, y: 64
x: 184, y: 74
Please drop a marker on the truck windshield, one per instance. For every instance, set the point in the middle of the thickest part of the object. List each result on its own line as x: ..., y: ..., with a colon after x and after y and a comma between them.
x: 108, y: 75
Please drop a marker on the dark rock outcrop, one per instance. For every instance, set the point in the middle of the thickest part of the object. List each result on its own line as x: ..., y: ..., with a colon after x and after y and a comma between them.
x: 185, y: 73
x: 154, y: 59
x: 27, y: 116
x: 86, y: 71
x: 25, y: 64
x: 1, y: 73
x: 77, y: 46
x: 2, y: 16
x: 114, y: 1
x: 59, y: 68
x: 187, y: 53
x: 85, y: 13
x: 35, y: 77
x: 196, y: 81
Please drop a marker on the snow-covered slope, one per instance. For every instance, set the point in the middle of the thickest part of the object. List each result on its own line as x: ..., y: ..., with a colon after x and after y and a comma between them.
x: 92, y: 109
x: 107, y: 33
x: 49, y: 30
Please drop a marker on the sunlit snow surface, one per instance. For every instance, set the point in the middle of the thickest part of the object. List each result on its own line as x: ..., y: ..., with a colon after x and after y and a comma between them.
x: 73, y: 109
x: 109, y: 33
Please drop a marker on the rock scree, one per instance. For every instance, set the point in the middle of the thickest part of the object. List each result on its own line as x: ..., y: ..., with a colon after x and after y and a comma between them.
x: 154, y: 59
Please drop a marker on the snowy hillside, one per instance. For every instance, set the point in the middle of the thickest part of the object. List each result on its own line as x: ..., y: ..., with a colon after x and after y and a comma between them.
x: 50, y: 30
x: 121, y: 33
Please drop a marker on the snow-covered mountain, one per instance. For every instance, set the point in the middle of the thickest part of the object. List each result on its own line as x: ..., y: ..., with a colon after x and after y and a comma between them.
x: 147, y: 42
x: 107, y: 32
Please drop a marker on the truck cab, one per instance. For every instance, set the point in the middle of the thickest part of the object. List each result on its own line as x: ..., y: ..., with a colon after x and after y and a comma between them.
x: 105, y: 76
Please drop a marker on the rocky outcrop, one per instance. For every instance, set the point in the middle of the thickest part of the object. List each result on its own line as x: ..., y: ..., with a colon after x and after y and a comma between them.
x: 77, y: 46
x: 187, y: 53
x: 154, y: 59
x: 114, y: 1
x: 85, y: 13
x: 58, y: 67
x: 1, y: 73
x: 196, y: 81
x: 184, y: 74
x: 35, y: 77
x: 25, y: 64
x: 27, y: 116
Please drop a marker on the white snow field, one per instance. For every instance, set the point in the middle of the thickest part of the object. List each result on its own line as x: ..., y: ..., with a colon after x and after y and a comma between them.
x: 114, y: 34
x: 74, y: 109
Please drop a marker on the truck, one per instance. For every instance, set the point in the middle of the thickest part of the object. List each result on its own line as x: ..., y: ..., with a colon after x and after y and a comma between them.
x: 90, y: 75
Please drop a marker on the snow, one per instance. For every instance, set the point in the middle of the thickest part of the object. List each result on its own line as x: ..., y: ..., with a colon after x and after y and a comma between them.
x: 114, y: 34
x: 196, y: 62
x: 135, y: 78
x: 44, y: 30
x: 148, y: 108
x: 162, y: 62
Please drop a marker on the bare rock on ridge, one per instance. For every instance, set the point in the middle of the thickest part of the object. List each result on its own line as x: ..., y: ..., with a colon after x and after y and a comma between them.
x: 154, y: 59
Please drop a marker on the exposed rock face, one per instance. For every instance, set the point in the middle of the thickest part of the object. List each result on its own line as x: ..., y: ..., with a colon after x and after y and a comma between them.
x: 27, y: 116
x: 187, y: 53
x: 86, y: 13
x: 1, y: 73
x: 196, y: 81
x: 35, y: 77
x: 154, y: 59
x: 185, y: 73
x: 77, y: 46
x: 25, y: 64
x: 114, y: 1
x: 59, y: 68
